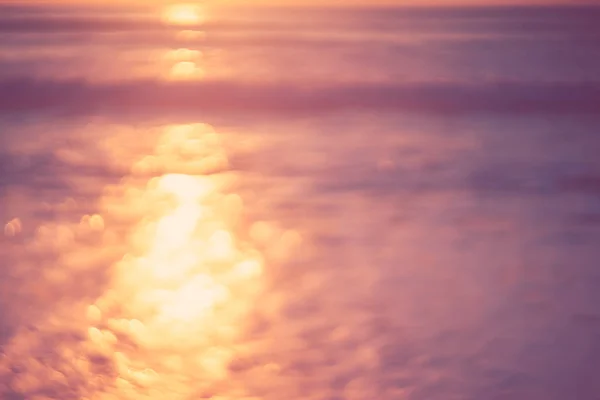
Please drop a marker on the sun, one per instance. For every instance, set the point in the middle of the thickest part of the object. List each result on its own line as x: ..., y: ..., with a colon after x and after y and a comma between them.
x: 183, y: 14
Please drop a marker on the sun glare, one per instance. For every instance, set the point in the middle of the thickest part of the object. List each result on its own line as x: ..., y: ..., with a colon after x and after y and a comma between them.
x: 183, y: 14
x: 189, y: 264
x: 172, y: 318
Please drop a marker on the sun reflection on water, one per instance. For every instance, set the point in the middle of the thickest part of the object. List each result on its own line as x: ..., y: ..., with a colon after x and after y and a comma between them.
x: 190, y: 35
x: 183, y: 54
x: 184, y: 62
x: 183, y: 14
x: 171, y: 315
x: 185, y: 70
x: 170, y: 318
x: 165, y: 299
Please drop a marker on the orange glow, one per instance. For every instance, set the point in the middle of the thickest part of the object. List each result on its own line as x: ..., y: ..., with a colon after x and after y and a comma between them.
x: 326, y: 3
x: 186, y: 188
x: 183, y: 55
x: 172, y: 316
x: 183, y: 14
x: 185, y: 70
x: 188, y: 264
x: 189, y: 35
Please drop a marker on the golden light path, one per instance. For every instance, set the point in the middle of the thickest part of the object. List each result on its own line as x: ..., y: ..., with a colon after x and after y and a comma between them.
x: 174, y: 308
x: 171, y: 317
x: 184, y: 61
x: 184, y: 64
x: 185, y: 70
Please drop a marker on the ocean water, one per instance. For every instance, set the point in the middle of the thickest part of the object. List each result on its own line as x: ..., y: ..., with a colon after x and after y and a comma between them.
x: 319, y: 204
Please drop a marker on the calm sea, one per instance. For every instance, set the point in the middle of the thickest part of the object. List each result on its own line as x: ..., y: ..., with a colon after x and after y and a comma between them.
x: 311, y: 204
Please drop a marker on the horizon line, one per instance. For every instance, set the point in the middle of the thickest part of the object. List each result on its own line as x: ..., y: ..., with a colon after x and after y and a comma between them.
x: 294, y: 5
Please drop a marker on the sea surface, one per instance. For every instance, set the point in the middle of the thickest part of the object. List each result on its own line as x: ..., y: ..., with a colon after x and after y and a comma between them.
x: 299, y: 204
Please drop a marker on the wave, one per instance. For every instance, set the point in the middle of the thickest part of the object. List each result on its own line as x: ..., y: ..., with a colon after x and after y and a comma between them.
x: 482, y: 20
x: 81, y: 97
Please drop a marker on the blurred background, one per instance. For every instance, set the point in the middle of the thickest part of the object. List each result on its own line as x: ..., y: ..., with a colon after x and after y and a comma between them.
x: 275, y: 201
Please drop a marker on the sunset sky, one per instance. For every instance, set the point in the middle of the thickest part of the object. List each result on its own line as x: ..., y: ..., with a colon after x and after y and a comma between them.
x: 340, y: 3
